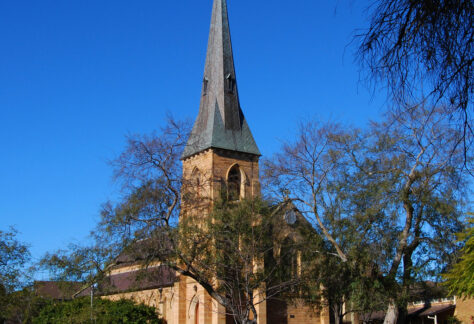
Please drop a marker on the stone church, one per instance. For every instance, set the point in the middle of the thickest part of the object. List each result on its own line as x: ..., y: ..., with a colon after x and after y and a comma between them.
x: 221, y: 148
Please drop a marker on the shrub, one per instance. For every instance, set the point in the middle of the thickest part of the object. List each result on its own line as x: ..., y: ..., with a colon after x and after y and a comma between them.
x: 104, y: 311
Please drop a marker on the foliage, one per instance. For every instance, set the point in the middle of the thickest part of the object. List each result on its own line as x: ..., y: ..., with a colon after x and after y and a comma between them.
x: 387, y: 201
x: 422, y: 51
x: 84, y: 264
x: 234, y: 237
x: 104, y: 311
x: 453, y: 320
x: 231, y: 246
x: 14, y: 255
x: 460, y: 278
x: 22, y: 306
x: 149, y: 172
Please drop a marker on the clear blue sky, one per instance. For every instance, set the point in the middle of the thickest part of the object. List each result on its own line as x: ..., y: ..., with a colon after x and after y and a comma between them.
x: 77, y: 76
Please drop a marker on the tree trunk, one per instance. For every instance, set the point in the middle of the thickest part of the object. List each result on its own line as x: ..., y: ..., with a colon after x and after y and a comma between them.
x: 336, y: 309
x: 402, y: 314
x: 392, y: 314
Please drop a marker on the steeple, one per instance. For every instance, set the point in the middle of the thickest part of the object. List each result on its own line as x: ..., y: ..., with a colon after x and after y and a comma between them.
x: 220, y: 123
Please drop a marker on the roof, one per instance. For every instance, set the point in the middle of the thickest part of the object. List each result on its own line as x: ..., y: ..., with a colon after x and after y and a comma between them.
x: 220, y: 122
x: 144, y: 250
x: 147, y: 278
x: 60, y: 290
x: 436, y: 309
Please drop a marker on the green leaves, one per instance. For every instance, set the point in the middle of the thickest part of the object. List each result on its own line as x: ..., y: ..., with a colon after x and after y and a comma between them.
x: 14, y: 255
x: 104, y: 311
x: 460, y: 278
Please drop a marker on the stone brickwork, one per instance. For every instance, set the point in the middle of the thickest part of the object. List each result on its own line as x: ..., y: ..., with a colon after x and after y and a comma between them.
x: 223, y: 161
x: 465, y: 310
x: 204, y: 180
x: 205, y: 175
x: 282, y: 312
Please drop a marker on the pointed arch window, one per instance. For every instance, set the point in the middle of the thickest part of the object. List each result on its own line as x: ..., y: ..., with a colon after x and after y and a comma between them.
x: 196, y: 183
x: 234, y: 182
x: 290, y: 258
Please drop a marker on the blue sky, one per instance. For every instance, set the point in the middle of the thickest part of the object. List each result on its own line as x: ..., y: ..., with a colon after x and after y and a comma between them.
x: 77, y: 76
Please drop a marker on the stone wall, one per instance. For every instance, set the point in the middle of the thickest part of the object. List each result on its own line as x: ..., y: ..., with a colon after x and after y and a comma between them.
x: 465, y: 310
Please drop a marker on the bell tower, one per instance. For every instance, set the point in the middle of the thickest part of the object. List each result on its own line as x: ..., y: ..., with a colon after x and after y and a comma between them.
x: 221, y: 156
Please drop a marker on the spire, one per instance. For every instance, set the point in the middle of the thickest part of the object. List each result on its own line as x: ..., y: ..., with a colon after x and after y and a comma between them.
x: 220, y: 123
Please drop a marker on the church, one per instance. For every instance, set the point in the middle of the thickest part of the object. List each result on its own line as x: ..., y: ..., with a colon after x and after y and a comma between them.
x: 221, y: 156
x: 220, y: 151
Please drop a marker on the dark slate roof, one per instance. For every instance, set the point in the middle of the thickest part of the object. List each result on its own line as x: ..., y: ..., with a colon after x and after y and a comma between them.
x: 144, y: 250
x: 148, y: 278
x: 221, y: 122
x: 437, y: 309
x: 60, y: 290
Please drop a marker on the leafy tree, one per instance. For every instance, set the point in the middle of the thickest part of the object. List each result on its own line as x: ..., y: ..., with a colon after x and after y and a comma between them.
x: 22, y: 306
x: 387, y: 200
x: 460, y: 278
x: 14, y: 255
x: 231, y: 248
x: 416, y: 166
x: 80, y: 263
x: 422, y: 52
x: 104, y: 311
x: 234, y: 237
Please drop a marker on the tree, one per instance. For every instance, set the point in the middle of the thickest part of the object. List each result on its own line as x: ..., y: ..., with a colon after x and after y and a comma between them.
x: 386, y: 198
x: 105, y: 311
x: 238, y: 253
x: 460, y: 278
x: 79, y: 263
x: 422, y: 52
x: 416, y: 159
x: 149, y: 173
x: 22, y: 305
x: 14, y: 256
x: 233, y: 236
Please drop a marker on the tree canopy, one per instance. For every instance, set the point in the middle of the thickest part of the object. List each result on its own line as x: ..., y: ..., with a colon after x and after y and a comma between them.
x: 387, y: 200
x: 14, y: 256
x: 460, y: 278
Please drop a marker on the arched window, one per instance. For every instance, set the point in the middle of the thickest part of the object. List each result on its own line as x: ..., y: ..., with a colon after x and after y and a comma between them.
x: 289, y: 258
x: 196, y: 183
x: 234, y: 180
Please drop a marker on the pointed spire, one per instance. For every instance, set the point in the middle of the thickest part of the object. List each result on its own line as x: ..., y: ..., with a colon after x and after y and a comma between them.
x: 220, y: 123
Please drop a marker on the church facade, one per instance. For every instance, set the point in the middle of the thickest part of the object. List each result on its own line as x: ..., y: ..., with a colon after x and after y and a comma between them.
x: 221, y: 153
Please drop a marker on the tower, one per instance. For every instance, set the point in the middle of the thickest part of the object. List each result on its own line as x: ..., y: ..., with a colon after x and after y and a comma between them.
x: 221, y: 156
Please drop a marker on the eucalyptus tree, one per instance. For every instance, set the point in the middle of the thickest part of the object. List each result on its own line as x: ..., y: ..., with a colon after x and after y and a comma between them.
x: 387, y: 199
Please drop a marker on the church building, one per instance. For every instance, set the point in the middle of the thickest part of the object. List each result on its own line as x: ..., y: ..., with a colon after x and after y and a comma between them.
x: 221, y: 151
